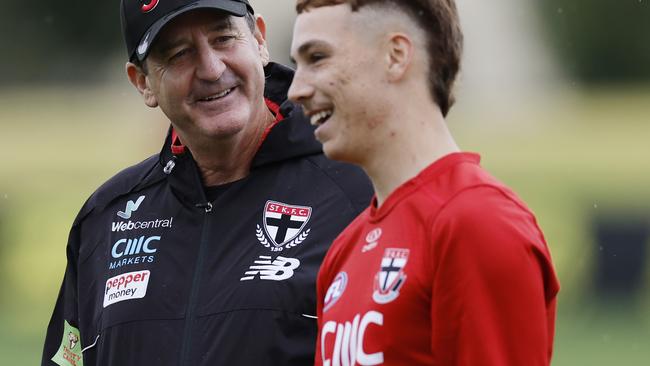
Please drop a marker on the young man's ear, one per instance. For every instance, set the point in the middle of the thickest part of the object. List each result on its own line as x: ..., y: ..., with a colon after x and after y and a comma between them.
x: 260, y: 37
x: 139, y: 79
x: 399, y: 55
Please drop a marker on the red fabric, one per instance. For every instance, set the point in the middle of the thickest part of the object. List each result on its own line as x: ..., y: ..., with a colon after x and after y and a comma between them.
x: 275, y: 108
x: 478, y: 285
x: 177, y: 146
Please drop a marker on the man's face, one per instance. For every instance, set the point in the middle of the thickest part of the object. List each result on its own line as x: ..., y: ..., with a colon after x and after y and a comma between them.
x: 339, y: 80
x: 205, y: 71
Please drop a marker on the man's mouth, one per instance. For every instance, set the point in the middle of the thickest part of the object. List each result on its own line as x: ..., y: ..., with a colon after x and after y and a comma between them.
x: 321, y: 117
x: 216, y: 96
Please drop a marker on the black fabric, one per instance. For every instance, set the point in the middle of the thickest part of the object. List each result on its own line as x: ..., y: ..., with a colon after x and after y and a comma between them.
x: 142, y: 20
x: 207, y: 302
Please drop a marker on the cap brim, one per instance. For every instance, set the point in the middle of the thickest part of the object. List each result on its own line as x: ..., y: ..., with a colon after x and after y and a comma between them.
x: 231, y: 7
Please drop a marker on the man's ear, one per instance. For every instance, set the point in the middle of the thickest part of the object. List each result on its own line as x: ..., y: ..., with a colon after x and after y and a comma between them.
x: 260, y: 37
x: 399, y: 55
x: 139, y: 79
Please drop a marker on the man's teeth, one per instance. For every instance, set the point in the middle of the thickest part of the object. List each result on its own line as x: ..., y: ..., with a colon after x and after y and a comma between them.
x: 217, y: 96
x: 320, y: 117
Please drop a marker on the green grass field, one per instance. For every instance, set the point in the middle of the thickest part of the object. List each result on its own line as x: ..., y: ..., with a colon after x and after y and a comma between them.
x: 572, y: 158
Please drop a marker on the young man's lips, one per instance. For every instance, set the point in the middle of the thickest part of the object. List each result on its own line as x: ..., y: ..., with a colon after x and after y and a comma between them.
x: 320, y: 117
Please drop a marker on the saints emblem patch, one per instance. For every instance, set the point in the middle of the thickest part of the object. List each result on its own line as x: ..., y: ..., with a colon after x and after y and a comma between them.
x: 283, y: 225
x: 391, y: 276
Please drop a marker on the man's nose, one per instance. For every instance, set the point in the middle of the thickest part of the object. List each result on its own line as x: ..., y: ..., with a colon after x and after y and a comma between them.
x: 300, y: 90
x: 210, y: 64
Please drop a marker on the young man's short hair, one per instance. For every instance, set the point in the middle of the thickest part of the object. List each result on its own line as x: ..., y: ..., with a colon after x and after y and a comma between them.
x: 438, y: 19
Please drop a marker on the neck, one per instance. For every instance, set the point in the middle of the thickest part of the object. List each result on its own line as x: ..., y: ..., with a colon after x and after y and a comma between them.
x: 226, y: 160
x: 415, y: 138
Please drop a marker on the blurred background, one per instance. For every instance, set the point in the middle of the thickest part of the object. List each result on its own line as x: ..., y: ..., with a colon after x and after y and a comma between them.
x: 555, y: 95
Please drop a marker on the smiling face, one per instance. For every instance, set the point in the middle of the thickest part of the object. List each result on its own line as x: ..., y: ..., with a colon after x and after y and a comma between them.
x: 205, y: 71
x: 339, y: 80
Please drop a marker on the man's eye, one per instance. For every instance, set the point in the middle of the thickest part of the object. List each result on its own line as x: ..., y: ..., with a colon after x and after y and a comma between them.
x: 316, y: 56
x: 224, y: 39
x: 178, y: 55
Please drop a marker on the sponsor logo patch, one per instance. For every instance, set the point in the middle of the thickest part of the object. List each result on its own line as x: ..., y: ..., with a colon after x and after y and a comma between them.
x: 391, y: 276
x: 349, y: 340
x: 121, y: 226
x: 131, y: 207
x: 283, y: 225
x: 69, y: 353
x: 267, y: 268
x: 372, y: 239
x: 335, y: 291
x: 127, y: 286
x: 132, y: 251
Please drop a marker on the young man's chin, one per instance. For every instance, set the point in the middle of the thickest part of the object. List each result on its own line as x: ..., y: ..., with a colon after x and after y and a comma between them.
x: 339, y: 153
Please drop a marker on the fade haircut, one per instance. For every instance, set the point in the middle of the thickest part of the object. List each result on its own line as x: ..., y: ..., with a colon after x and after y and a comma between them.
x: 438, y: 19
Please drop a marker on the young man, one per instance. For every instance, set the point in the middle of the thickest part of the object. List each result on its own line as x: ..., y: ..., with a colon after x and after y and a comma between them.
x: 447, y: 266
x: 207, y: 253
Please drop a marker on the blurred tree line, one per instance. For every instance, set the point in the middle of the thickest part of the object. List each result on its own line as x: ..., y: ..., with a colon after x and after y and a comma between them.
x: 600, y: 41
x: 597, y: 41
x: 52, y: 41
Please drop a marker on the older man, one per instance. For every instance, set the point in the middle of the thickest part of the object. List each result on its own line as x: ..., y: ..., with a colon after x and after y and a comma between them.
x: 447, y: 266
x: 207, y: 253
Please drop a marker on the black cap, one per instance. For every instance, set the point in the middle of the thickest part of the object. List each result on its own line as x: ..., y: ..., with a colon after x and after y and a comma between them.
x: 143, y: 19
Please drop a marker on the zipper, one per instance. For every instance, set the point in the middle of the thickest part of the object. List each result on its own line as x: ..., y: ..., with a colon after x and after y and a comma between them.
x: 194, y: 291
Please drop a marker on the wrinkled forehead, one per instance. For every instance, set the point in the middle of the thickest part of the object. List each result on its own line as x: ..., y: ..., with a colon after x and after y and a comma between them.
x: 200, y: 19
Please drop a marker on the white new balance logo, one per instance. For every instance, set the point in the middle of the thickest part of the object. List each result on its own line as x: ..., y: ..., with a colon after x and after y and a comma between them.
x: 268, y: 269
x: 130, y: 208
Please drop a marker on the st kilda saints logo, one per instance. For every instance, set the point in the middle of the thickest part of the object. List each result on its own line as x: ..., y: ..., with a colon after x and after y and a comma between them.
x: 283, y: 225
x: 391, y: 276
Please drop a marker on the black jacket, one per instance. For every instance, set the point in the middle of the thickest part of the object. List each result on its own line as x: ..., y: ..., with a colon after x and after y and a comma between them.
x: 159, y: 275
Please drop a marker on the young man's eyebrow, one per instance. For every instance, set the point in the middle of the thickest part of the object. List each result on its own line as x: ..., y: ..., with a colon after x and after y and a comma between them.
x: 307, y: 46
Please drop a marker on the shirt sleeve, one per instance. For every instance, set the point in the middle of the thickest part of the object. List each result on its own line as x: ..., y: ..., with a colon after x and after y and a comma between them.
x: 64, y: 324
x: 494, y: 286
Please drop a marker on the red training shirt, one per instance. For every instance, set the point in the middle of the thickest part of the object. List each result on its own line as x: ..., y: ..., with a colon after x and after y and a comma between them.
x: 451, y: 270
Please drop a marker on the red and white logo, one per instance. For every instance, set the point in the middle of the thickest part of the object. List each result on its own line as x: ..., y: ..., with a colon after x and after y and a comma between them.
x: 335, y: 291
x: 391, y: 276
x: 284, y: 225
x: 344, y: 343
x: 127, y: 286
x: 372, y: 239
x: 149, y: 6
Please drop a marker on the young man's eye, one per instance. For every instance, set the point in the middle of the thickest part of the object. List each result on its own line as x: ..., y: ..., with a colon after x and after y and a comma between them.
x: 316, y: 56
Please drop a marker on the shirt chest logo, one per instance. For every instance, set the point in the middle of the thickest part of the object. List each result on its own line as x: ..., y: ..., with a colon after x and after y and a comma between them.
x: 372, y: 240
x: 335, y: 291
x: 283, y: 225
x: 391, y: 276
x: 267, y: 268
x: 126, y: 286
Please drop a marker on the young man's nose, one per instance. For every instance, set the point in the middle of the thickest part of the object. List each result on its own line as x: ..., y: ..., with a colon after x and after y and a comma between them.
x: 300, y: 90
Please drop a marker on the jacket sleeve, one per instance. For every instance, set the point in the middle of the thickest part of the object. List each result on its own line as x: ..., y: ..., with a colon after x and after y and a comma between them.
x: 59, y: 334
x: 494, y: 286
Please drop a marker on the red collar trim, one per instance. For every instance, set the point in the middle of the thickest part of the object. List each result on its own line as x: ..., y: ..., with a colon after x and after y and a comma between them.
x: 275, y: 109
x: 177, y: 146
